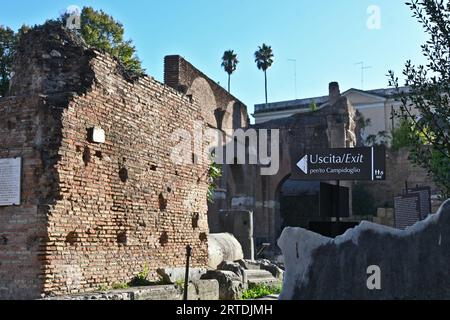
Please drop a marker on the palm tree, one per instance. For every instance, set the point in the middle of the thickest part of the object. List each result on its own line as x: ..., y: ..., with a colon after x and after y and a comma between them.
x: 229, y: 63
x: 264, y: 60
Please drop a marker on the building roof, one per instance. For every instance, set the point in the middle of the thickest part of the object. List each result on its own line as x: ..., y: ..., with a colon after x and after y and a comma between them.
x: 305, y: 103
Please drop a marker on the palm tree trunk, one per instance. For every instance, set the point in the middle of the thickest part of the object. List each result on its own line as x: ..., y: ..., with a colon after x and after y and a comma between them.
x: 265, y: 83
x: 229, y: 77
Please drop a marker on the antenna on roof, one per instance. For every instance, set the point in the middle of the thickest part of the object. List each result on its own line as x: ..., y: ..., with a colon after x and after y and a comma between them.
x: 363, y: 68
x: 295, y: 75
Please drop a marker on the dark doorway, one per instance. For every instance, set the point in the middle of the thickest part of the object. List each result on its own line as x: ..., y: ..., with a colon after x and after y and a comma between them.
x: 299, y: 203
x: 328, y: 201
x: 312, y: 205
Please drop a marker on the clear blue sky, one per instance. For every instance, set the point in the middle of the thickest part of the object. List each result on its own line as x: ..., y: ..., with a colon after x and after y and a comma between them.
x: 325, y: 37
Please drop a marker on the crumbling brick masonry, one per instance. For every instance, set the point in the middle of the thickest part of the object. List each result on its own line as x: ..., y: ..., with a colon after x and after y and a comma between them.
x: 94, y: 214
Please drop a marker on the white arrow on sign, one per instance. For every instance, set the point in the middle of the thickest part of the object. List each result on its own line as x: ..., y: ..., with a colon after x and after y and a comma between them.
x: 303, y: 164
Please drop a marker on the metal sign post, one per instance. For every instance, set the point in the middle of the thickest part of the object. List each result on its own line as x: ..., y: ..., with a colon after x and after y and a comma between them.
x: 186, y: 276
x: 338, y: 202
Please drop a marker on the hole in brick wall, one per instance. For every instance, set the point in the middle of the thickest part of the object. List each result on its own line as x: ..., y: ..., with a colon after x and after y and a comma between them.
x: 99, y: 155
x: 123, y: 174
x: 195, y: 219
x: 176, y: 173
x: 3, y: 241
x: 78, y: 148
x: 11, y: 125
x: 142, y: 223
x: 169, y: 189
x: 86, y: 156
x: 153, y: 167
x: 203, y: 237
x: 122, y: 238
x: 162, y: 202
x: 164, y: 238
x: 72, y: 237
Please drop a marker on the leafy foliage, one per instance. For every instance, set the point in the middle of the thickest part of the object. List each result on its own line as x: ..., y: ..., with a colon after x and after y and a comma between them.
x: 8, y: 40
x: 362, y: 125
x: 260, y: 291
x: 100, y: 30
x: 427, y: 104
x: 313, y: 107
x: 264, y: 60
x: 8, y: 43
x: 215, y: 172
x: 380, y: 139
x: 264, y: 57
x: 229, y: 63
x: 141, y: 279
x: 119, y: 286
x: 402, y: 135
x: 179, y: 284
x: 363, y: 202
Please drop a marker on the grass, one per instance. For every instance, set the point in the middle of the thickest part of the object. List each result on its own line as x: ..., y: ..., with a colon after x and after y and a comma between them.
x: 180, y: 285
x: 260, y: 291
x: 120, y: 286
x: 141, y: 279
x: 138, y: 281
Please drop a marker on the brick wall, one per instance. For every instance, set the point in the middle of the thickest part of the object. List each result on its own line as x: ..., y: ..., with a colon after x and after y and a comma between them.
x: 22, y: 229
x: 221, y: 109
x: 94, y: 214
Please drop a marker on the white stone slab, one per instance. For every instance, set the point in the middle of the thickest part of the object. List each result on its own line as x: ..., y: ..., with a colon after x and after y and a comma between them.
x: 10, y: 178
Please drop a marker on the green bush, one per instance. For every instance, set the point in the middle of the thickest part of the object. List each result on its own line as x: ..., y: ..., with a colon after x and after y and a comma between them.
x: 313, y: 107
x: 260, y: 291
x: 363, y: 202
x: 401, y: 136
x: 119, y: 286
x: 141, y: 279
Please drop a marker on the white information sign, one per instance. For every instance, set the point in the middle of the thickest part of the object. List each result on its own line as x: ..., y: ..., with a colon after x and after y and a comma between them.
x: 10, y: 177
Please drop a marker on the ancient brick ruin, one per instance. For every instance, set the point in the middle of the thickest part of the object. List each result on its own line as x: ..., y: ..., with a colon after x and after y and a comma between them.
x: 94, y: 214
x: 332, y: 126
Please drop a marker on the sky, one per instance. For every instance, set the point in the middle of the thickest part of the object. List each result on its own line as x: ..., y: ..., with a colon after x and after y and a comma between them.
x: 325, y: 38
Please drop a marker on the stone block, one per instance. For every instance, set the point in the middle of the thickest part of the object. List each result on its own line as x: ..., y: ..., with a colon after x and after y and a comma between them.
x: 175, y: 275
x: 230, y: 285
x: 234, y: 267
x: 370, y: 262
x: 206, y: 290
x: 223, y: 247
x: 165, y: 292
x: 240, y: 224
